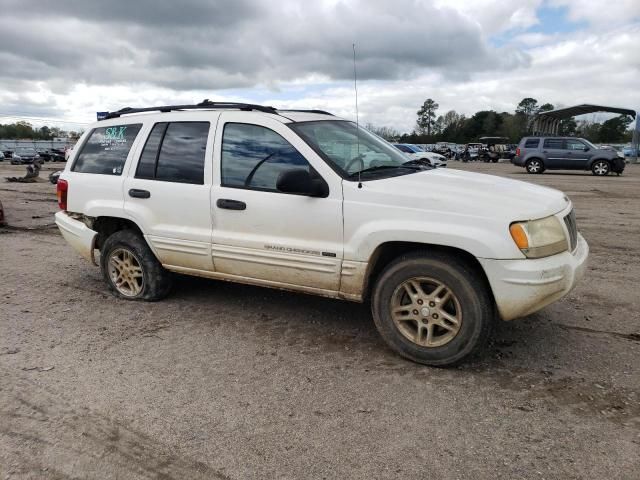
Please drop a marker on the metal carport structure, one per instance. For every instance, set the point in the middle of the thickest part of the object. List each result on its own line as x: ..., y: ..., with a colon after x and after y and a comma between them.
x: 548, y: 123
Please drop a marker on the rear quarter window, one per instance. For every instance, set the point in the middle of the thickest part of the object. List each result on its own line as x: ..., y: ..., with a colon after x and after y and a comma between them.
x: 532, y: 143
x: 106, y: 149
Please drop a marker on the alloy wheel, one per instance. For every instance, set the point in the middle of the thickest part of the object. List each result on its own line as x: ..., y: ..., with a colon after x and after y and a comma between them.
x: 534, y: 166
x: 426, y: 312
x: 126, y: 272
x: 601, y: 168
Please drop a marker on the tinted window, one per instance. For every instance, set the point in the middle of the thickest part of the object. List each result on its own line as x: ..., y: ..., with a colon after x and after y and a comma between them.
x: 575, y: 145
x: 181, y: 157
x: 254, y: 156
x: 532, y: 143
x: 403, y: 148
x: 147, y: 163
x: 554, y: 143
x: 106, y: 150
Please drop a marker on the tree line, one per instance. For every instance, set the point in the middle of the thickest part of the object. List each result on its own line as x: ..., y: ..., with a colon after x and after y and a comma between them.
x: 458, y: 128
x: 25, y: 131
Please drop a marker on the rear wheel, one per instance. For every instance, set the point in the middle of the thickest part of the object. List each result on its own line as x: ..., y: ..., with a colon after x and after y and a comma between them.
x: 131, y: 270
x: 600, y: 168
x: 432, y: 308
x: 534, y: 166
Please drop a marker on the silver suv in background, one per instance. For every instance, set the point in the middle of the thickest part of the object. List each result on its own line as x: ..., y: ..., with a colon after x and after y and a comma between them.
x: 538, y: 154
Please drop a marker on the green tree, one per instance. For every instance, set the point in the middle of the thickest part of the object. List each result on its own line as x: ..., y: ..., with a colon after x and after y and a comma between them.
x: 528, y: 106
x: 567, y: 127
x: 545, y: 107
x: 427, y: 117
x: 614, y: 130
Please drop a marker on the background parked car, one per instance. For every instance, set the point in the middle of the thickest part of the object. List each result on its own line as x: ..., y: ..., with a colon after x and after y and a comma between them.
x: 416, y: 153
x: 24, y: 156
x: 630, y: 151
x: 538, y: 154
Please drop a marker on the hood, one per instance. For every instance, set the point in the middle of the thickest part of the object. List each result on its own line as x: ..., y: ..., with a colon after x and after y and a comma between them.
x: 467, y: 193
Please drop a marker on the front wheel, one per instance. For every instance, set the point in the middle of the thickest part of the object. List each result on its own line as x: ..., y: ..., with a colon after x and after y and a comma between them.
x: 131, y: 270
x: 432, y: 308
x: 600, y: 168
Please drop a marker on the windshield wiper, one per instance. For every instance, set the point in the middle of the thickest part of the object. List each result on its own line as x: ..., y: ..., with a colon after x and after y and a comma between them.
x: 382, y: 167
x: 423, y: 162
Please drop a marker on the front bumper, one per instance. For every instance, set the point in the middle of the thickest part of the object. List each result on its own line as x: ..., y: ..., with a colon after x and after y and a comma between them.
x: 77, y: 234
x: 522, y: 287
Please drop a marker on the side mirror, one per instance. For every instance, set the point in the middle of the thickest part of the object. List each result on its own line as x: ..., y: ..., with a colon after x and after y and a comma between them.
x: 300, y: 182
x: 586, y: 149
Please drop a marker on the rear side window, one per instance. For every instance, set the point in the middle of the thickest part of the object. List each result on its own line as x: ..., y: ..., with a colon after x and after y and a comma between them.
x: 253, y: 157
x: 175, y: 152
x: 554, y: 143
x: 106, y: 150
x: 532, y: 143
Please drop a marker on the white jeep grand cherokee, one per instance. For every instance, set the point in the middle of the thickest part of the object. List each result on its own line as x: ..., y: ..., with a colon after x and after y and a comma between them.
x: 305, y: 201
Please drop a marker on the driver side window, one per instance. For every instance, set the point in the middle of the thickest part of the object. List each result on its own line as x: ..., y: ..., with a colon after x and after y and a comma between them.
x: 253, y: 157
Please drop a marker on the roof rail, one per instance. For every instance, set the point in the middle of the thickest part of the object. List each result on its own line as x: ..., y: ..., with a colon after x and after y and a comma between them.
x: 307, y: 111
x: 206, y: 104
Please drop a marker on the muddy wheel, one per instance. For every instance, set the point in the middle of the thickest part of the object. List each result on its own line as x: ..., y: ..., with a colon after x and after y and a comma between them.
x: 432, y: 308
x: 600, y: 168
x: 534, y: 166
x: 131, y: 270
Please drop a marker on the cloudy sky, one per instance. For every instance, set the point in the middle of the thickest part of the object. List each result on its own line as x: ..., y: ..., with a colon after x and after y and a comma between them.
x: 70, y: 58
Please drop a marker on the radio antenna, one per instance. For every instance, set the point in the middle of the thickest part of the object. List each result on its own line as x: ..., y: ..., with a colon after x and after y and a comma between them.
x: 355, y: 87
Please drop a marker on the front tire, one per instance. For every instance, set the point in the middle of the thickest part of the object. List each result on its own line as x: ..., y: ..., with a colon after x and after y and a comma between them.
x: 600, y: 168
x: 131, y: 270
x: 432, y: 308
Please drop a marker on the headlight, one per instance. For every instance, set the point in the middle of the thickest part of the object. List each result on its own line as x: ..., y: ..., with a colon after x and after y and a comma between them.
x: 539, y: 238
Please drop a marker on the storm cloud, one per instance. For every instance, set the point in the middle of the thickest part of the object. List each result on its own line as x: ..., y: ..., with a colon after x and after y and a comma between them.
x: 200, y: 44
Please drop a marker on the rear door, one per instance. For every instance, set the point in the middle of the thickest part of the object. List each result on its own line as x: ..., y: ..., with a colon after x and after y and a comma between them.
x: 260, y: 233
x: 167, y: 192
x: 554, y: 152
x: 96, y: 171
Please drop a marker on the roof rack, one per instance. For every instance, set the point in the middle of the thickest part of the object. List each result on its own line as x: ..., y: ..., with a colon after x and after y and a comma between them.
x: 307, y: 111
x: 206, y: 104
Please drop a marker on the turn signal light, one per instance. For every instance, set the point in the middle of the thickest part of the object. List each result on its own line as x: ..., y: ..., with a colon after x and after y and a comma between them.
x: 61, y: 192
x: 519, y: 235
x: 518, y: 152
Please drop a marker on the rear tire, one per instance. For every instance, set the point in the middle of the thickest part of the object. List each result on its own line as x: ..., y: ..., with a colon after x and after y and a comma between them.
x: 131, y: 270
x: 432, y: 308
x: 600, y: 168
x: 534, y: 166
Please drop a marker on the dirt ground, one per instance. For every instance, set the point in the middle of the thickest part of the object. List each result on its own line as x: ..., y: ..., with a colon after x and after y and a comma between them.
x: 232, y: 382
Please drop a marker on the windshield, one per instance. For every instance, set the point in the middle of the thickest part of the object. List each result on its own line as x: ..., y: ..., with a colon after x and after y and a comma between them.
x: 25, y: 151
x: 351, y: 150
x: 589, y: 144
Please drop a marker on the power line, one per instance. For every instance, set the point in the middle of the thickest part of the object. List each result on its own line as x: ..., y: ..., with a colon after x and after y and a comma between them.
x: 52, y: 120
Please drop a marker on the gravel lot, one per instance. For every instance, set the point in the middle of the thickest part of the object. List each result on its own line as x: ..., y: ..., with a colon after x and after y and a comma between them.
x: 232, y: 382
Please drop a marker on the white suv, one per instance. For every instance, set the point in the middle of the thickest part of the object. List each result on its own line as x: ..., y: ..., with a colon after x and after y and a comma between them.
x: 306, y: 201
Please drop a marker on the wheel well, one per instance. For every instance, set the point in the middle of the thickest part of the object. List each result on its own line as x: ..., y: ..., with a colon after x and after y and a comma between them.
x: 534, y: 158
x: 389, y: 251
x: 106, y: 226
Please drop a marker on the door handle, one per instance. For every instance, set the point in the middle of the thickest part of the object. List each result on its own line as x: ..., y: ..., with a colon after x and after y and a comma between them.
x: 231, y: 204
x: 136, y: 193
x: 544, y: 151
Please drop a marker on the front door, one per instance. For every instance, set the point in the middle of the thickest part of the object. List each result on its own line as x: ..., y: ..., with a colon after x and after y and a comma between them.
x: 167, y: 192
x: 577, y: 154
x: 262, y: 234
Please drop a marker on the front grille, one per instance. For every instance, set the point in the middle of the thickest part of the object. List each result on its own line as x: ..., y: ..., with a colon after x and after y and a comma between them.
x: 570, y: 222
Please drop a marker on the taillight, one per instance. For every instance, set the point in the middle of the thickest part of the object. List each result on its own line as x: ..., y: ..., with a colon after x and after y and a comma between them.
x: 518, y: 151
x: 63, y: 188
